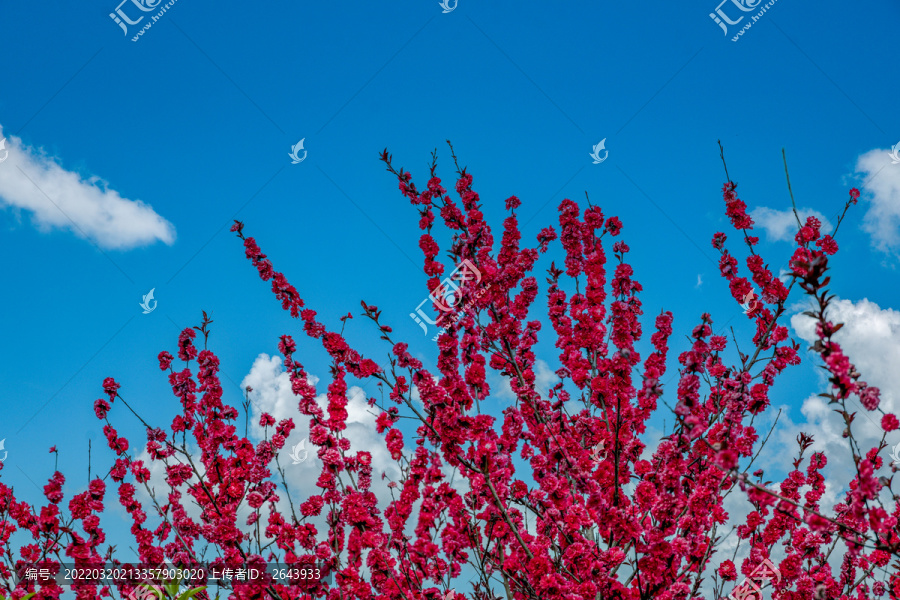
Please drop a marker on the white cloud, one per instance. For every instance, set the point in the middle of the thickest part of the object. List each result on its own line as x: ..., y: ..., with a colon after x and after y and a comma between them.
x: 32, y: 181
x: 882, y: 193
x: 781, y: 225
x: 699, y: 281
x: 544, y: 377
x: 785, y: 276
x: 871, y: 339
x: 272, y: 394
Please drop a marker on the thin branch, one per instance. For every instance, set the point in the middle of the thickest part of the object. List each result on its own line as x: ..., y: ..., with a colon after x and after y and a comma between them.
x: 788, y: 176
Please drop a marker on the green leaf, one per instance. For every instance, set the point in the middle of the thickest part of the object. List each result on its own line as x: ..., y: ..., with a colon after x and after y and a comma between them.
x: 191, y: 593
x: 155, y: 590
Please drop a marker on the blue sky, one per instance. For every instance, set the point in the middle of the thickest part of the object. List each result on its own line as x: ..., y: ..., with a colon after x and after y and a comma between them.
x: 145, y: 151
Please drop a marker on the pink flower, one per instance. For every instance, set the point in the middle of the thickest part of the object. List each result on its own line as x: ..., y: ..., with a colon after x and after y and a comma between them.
x: 558, y: 490
x: 889, y: 422
x: 101, y: 408
x: 165, y: 360
x: 613, y: 226
x: 464, y: 182
x: 394, y: 441
x: 818, y: 523
x: 735, y: 208
x: 727, y: 571
x: 870, y: 397
x: 827, y: 244
x: 805, y: 235
x: 186, y: 349
x: 111, y: 387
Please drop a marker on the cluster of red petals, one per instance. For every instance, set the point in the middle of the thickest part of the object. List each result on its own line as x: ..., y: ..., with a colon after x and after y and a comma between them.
x: 559, y: 497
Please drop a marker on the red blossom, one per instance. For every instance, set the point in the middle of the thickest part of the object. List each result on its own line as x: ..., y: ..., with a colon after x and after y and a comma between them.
x: 828, y: 245
x: 165, y: 360
x: 111, y: 387
x: 727, y: 571
x: 613, y: 226
x: 556, y: 496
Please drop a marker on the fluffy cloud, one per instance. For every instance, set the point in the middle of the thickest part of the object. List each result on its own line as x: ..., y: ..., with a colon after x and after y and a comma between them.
x: 881, y: 188
x: 781, y: 225
x: 871, y: 339
x: 57, y: 198
x: 272, y: 394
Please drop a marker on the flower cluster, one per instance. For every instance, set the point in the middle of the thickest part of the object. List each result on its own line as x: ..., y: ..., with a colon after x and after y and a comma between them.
x: 560, y: 497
